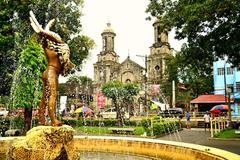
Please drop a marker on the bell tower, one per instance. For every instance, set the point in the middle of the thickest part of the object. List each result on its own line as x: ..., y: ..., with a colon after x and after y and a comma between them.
x: 107, y: 60
x: 108, y: 39
x: 156, y: 66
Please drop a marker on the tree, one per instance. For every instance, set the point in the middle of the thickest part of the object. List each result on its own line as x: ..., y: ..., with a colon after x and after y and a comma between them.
x: 121, y: 96
x: 211, y: 27
x: 67, y: 14
x: 7, y: 56
x: 15, y: 31
x: 79, y: 87
x: 26, y: 90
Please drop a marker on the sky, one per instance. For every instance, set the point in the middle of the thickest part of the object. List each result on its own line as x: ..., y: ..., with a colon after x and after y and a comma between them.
x: 134, y: 34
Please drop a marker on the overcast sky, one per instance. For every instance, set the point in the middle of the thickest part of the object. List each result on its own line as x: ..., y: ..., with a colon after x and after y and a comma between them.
x: 134, y: 34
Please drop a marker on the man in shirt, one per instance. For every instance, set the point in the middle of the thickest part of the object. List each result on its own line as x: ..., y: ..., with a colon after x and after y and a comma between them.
x: 206, y: 118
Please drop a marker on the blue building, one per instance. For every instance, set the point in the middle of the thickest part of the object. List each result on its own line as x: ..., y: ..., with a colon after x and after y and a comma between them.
x: 227, y: 81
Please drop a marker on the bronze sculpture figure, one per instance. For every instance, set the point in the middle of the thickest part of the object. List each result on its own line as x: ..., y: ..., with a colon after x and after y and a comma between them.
x: 57, y: 54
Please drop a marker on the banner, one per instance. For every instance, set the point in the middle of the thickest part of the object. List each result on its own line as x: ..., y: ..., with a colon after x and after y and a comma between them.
x: 155, y: 89
x: 101, y: 100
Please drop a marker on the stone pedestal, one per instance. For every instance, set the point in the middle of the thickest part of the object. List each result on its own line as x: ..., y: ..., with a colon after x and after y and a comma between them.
x: 45, y: 143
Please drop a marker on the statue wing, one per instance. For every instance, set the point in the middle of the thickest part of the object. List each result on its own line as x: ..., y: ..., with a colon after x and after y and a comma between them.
x: 34, y: 23
x: 50, y: 24
x: 44, y: 32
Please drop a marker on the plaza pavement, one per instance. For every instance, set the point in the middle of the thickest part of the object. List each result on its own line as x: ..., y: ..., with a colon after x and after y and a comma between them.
x: 201, y: 137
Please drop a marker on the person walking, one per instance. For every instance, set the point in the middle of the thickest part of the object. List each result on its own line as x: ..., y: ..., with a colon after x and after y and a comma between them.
x: 206, y: 119
x: 188, y: 122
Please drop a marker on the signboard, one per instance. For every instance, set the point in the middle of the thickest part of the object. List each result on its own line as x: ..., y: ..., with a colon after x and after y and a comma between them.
x: 101, y: 100
x: 63, y: 102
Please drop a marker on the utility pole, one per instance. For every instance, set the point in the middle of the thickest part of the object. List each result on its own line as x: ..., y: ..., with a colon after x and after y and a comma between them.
x: 225, y: 83
x: 145, y: 83
x: 173, y: 94
x: 146, y: 107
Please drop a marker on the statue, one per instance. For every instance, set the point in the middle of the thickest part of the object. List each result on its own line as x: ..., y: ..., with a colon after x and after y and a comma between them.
x: 57, y: 54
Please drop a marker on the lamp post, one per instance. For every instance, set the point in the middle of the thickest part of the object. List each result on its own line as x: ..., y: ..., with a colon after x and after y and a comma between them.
x: 229, y: 106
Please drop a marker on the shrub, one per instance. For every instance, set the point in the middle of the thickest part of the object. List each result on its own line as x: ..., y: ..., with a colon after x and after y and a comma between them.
x: 159, y: 126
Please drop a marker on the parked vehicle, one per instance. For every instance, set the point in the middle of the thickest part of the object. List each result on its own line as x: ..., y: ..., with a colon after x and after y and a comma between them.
x: 111, y: 113
x: 3, y: 112
x: 172, y: 112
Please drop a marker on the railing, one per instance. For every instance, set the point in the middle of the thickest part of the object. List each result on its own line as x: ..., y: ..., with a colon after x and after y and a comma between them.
x: 217, y: 124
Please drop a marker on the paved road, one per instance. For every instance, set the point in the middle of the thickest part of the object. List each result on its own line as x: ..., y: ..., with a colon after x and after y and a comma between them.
x: 199, y: 136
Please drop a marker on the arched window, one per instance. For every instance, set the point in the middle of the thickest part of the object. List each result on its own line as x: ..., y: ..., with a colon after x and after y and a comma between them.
x: 128, y: 81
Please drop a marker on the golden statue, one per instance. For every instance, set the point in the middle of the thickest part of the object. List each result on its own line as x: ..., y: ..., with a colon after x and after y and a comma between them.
x: 57, y: 53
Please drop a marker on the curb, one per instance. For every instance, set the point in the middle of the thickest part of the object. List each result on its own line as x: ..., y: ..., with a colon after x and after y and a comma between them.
x: 224, y: 139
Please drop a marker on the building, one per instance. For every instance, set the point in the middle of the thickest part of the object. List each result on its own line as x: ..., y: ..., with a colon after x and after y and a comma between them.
x: 227, y: 82
x: 159, y: 50
x: 204, y: 103
x: 109, y: 68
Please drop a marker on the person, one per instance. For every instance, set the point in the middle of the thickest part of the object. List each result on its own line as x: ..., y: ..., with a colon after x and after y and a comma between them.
x: 188, y: 122
x: 57, y: 54
x: 206, y: 119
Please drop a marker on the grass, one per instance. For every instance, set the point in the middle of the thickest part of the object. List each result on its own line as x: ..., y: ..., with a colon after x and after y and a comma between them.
x: 228, y: 133
x: 93, y: 130
x: 104, y: 130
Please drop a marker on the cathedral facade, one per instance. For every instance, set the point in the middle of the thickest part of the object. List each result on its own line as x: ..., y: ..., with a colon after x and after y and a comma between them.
x: 109, y: 68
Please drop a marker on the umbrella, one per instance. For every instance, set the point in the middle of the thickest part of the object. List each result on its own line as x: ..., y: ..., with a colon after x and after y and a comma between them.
x: 89, y: 112
x: 84, y: 109
x: 78, y: 110
x: 219, y: 108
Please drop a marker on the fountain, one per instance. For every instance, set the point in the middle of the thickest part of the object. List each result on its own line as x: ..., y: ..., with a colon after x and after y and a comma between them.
x: 59, y: 143
x: 139, y: 147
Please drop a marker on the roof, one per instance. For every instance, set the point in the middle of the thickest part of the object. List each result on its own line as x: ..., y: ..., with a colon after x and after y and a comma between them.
x: 134, y: 63
x: 210, y: 98
x: 108, y: 29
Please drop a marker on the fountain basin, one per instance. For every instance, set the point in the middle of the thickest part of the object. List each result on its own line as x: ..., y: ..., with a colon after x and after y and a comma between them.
x: 154, y: 148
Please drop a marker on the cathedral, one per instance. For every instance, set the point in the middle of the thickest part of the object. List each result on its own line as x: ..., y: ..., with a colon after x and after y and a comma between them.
x: 109, y: 68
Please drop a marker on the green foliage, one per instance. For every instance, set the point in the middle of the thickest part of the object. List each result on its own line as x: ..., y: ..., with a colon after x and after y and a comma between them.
x: 93, y: 130
x: 89, y: 122
x: 227, y: 133
x: 15, y: 30
x: 67, y: 14
x: 116, y: 90
x: 159, y: 126
x: 83, y: 80
x: 7, y: 55
x: 121, y: 95
x: 211, y: 27
x: 14, y: 122
x: 96, y: 122
x: 103, y: 130
x: 113, y: 89
x: 26, y: 90
x: 139, y: 130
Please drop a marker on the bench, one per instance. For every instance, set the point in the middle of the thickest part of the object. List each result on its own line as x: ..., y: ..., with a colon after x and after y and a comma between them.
x: 122, y: 130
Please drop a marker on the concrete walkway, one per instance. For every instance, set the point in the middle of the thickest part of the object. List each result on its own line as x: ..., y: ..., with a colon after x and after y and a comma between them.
x: 199, y: 136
